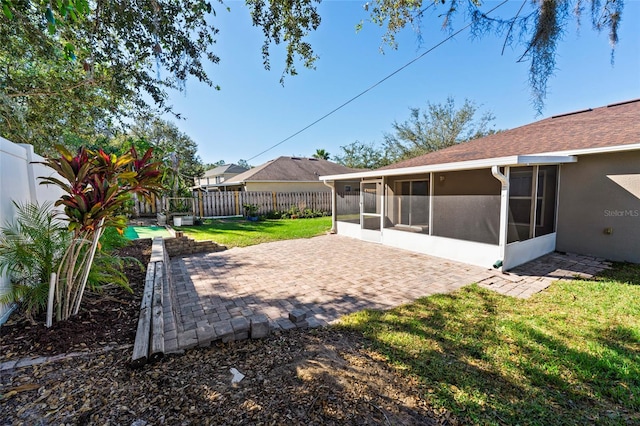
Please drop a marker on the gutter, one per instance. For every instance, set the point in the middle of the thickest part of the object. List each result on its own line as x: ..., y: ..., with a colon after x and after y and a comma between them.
x: 504, y: 212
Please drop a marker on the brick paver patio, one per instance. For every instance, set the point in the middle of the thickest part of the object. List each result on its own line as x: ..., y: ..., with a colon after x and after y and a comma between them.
x: 216, y: 294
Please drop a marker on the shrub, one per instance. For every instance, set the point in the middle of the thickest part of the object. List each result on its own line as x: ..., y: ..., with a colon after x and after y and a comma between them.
x: 295, y: 212
x: 108, y: 267
x: 30, y: 250
x: 97, y: 187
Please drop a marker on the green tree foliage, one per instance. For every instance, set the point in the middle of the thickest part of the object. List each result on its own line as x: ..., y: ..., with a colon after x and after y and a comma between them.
x: 126, y: 40
x: 244, y: 163
x: 321, y: 154
x: 437, y: 127
x: 535, y: 29
x: 44, y: 98
x: 93, y: 66
x: 360, y: 155
x: 31, y: 248
x: 177, y: 152
x: 74, y: 66
x: 209, y: 166
x: 289, y: 21
x: 79, y: 66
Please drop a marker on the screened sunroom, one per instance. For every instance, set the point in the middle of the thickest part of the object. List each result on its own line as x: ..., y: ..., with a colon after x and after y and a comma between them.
x: 498, y: 212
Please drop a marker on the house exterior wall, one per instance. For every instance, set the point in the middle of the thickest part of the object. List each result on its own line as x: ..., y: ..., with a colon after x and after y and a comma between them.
x: 471, y: 252
x: 599, y: 206
x: 465, y: 202
x: 521, y: 252
x: 214, y: 180
x: 287, y: 186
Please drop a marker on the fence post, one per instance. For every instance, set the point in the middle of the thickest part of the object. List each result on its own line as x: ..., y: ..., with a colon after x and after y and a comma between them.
x: 200, y: 204
x: 237, y: 199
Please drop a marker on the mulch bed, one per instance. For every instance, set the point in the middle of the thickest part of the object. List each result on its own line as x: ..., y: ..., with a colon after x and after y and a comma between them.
x: 300, y: 377
x: 107, y: 318
x: 318, y: 377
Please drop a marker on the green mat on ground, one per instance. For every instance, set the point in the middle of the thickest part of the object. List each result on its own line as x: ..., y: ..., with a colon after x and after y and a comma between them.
x: 136, y: 232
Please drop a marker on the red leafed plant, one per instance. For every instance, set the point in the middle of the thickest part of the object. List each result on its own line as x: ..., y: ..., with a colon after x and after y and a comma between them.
x: 97, y: 185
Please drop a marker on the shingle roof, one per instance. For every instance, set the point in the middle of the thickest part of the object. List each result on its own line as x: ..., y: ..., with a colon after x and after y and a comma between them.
x: 225, y: 168
x: 612, y: 125
x: 291, y: 169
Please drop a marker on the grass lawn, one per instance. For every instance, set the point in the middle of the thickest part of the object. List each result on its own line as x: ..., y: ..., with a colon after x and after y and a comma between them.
x: 570, y: 355
x: 238, y: 232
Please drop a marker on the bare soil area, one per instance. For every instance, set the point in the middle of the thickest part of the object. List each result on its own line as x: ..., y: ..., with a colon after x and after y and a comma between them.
x: 321, y: 377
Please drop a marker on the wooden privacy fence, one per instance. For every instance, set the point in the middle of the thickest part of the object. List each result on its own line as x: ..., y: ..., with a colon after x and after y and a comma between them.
x: 231, y: 203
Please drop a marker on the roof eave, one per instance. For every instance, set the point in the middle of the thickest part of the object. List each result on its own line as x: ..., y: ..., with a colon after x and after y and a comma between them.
x: 514, y: 160
x: 282, y: 181
x: 597, y: 150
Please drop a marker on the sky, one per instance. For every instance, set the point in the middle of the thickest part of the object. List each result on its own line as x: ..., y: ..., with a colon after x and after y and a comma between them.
x: 253, y: 111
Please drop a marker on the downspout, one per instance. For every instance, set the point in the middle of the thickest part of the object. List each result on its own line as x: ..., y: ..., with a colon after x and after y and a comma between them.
x: 504, y: 213
x: 334, y: 215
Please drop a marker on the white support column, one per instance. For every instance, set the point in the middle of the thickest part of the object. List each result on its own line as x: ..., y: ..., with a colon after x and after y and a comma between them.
x: 504, y: 211
x: 383, y: 206
x: 334, y: 203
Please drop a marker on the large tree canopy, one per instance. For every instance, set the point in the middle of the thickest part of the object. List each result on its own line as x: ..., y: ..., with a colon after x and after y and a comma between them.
x: 361, y: 155
x: 73, y: 64
x: 44, y: 96
x: 79, y: 66
x: 176, y: 151
x: 436, y: 127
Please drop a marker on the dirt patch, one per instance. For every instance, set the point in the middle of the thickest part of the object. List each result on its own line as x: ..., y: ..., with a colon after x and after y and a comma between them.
x: 321, y: 377
x: 106, y: 318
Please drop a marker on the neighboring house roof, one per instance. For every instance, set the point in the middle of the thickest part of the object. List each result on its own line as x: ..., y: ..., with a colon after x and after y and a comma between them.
x: 614, y: 127
x: 294, y: 169
x: 225, y: 169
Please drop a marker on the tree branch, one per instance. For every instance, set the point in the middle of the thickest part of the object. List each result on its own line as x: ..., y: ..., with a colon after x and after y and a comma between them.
x: 506, y: 38
x: 54, y: 92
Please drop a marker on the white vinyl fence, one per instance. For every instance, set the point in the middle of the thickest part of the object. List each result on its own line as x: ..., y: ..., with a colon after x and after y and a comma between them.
x: 19, y: 173
x: 231, y: 203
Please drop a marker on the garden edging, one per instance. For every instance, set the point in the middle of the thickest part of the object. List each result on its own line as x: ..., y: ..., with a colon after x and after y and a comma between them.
x: 149, y: 344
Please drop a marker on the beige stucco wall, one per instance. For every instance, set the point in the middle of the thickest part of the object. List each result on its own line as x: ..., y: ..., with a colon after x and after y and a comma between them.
x: 211, y: 180
x: 598, y: 193
x: 288, y: 186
